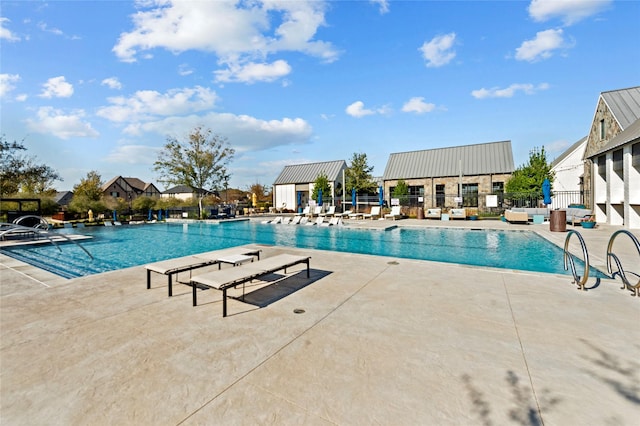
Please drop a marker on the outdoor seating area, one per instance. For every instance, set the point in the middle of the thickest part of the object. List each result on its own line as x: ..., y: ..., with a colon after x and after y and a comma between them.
x: 458, y: 214
x: 396, y: 213
x: 512, y: 216
x: 173, y: 267
x: 225, y: 279
x: 575, y: 215
x: 433, y: 214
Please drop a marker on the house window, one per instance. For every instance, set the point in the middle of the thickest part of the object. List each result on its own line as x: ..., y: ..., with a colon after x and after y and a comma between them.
x: 617, y: 160
x: 602, y: 129
x: 635, y: 155
x: 439, y: 195
x: 414, y: 193
x: 470, y: 194
x: 497, y: 187
x: 115, y: 194
x: 602, y: 166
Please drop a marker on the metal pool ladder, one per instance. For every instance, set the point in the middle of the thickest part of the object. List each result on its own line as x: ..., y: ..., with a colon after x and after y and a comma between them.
x: 621, y: 272
x: 569, y: 260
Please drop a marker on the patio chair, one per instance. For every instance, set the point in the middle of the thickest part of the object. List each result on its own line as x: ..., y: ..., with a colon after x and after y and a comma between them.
x: 458, y: 214
x: 318, y: 221
x: 395, y: 213
x: 304, y: 220
x: 286, y: 220
x: 232, y: 277
x: 433, y: 214
x: 295, y: 220
x: 316, y: 211
x: 375, y: 212
x: 305, y: 211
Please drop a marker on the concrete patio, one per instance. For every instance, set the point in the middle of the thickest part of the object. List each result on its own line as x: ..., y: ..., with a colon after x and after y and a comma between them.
x: 381, y: 341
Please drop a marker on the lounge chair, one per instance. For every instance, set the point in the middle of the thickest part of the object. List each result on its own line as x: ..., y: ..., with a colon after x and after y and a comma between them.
x: 117, y: 223
x: 333, y: 221
x: 108, y: 223
x: 305, y: 211
x: 304, y: 220
x: 318, y: 221
x: 182, y: 264
x: 296, y: 220
x: 345, y: 213
x: 356, y: 215
x: 375, y: 212
x: 458, y: 214
x: 233, y: 277
x: 316, y: 211
x: 286, y: 220
x: 433, y: 214
x: 330, y: 212
x: 395, y: 213
x: 275, y: 220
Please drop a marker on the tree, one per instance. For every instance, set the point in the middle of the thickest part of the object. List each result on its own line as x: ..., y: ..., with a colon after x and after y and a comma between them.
x: 200, y: 162
x: 321, y: 184
x: 20, y: 172
x: 87, y: 195
x: 358, y: 175
x: 401, y: 191
x: 143, y: 204
x: 529, y: 177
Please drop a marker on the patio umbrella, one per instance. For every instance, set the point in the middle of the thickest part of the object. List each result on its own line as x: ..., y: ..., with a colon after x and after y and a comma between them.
x: 166, y: 213
x: 299, y: 201
x: 159, y: 214
x: 353, y: 198
x: 115, y: 216
x: 546, y: 191
x: 319, y: 197
x: 149, y: 216
x: 381, y: 195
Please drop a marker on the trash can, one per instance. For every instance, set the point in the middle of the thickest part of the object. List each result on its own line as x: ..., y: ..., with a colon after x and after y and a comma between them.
x: 558, y: 221
x: 420, y: 213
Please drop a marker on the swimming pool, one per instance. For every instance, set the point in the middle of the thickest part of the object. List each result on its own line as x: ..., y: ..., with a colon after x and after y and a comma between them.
x: 120, y: 247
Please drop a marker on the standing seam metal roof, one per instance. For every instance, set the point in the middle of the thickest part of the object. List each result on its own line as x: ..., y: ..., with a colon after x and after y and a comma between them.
x: 307, y: 173
x: 479, y: 159
x: 624, y: 104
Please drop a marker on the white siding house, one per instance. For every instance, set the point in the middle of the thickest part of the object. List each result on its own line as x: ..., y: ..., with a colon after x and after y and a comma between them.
x: 568, y: 171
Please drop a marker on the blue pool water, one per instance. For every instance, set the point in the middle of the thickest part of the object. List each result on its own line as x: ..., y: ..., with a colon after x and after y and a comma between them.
x: 120, y: 247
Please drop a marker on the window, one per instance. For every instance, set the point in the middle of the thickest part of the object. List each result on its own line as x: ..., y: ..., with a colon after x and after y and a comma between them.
x: 635, y: 155
x: 617, y: 160
x: 497, y: 187
x: 602, y: 166
x: 602, y: 129
x: 414, y: 193
x: 470, y: 194
x: 439, y: 195
x: 115, y: 194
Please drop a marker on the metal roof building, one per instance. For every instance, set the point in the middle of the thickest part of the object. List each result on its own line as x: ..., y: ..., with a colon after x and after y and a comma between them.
x: 306, y: 173
x: 479, y: 159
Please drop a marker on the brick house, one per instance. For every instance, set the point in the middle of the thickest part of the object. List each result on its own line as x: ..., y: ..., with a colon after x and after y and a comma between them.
x: 129, y: 188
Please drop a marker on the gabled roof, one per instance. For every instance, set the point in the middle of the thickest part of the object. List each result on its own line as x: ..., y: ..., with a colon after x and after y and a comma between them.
x: 184, y: 189
x: 624, y: 104
x: 479, y: 159
x: 136, y: 183
x: 569, y: 151
x: 307, y: 173
x: 630, y: 134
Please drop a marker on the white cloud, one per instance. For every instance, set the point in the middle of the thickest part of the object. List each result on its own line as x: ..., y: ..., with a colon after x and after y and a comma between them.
x: 5, y: 33
x: 64, y: 126
x: 253, y: 72
x: 239, y: 33
x: 112, y: 83
x: 44, y: 27
x: 150, y: 104
x: 56, y: 87
x: 570, y: 11
x: 418, y: 105
x: 243, y: 132
x: 439, y: 51
x: 541, y: 47
x: 133, y: 154
x: 358, y: 110
x: 7, y: 83
x: 185, y: 70
x: 509, y: 92
x: 382, y: 4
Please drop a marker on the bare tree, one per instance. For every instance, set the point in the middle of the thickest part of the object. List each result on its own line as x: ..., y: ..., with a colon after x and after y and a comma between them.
x: 200, y: 162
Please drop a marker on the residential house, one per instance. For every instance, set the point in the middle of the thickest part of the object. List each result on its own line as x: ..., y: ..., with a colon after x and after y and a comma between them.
x: 63, y: 198
x: 293, y: 187
x: 612, y: 158
x: 129, y: 188
x: 568, y: 170
x: 184, y: 192
x: 451, y: 177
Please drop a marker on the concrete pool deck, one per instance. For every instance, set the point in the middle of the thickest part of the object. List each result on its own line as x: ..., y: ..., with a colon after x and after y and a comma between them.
x: 381, y: 341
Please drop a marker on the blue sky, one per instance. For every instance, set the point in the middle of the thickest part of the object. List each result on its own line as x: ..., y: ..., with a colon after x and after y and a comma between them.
x: 99, y: 85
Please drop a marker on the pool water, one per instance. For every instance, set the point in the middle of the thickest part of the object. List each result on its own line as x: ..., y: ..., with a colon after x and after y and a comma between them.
x: 120, y: 247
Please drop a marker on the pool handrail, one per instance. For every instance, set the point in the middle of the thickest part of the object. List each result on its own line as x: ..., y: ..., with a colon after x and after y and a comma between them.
x: 635, y: 288
x: 13, y: 228
x: 569, y: 260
